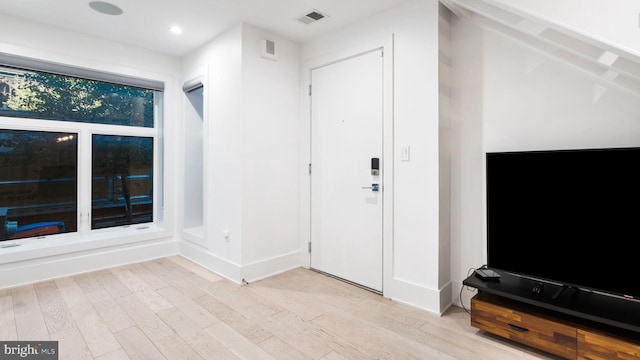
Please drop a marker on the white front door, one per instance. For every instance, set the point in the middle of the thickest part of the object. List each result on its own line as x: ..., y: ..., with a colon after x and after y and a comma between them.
x: 346, y: 140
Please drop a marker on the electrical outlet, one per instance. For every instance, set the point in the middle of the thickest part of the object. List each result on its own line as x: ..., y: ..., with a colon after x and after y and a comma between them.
x: 227, y: 235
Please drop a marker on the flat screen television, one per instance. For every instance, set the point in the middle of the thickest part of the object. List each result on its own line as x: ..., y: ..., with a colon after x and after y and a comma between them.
x: 566, y: 216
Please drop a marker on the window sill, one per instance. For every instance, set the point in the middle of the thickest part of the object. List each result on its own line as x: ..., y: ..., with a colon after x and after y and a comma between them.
x: 34, y: 248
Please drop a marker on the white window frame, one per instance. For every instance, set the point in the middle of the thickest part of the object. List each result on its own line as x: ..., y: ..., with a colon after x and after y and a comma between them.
x: 85, y: 238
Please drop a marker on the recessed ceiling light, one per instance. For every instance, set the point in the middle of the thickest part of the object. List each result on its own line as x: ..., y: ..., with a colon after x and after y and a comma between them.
x: 175, y: 29
x: 105, y: 8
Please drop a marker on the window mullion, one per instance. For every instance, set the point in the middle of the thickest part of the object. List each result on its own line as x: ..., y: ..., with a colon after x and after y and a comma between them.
x: 84, y: 182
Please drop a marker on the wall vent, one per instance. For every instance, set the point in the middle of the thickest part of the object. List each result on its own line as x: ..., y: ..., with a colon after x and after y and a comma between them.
x: 311, y: 17
x: 268, y: 50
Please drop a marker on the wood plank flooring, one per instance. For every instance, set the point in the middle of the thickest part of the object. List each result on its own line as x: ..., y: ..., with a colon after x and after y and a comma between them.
x: 171, y: 308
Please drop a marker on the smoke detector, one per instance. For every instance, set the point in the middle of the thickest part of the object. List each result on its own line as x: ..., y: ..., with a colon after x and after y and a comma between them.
x: 311, y: 17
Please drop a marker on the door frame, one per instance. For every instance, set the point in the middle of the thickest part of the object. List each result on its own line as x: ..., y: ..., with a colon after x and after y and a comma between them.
x: 386, y: 45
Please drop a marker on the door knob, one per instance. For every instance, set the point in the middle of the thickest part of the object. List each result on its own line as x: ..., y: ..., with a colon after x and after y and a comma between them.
x: 374, y: 187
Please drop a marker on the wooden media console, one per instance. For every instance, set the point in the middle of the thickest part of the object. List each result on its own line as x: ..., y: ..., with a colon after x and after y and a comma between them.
x: 570, y: 325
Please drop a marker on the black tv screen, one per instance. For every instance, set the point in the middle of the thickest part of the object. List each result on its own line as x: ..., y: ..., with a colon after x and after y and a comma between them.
x: 566, y: 216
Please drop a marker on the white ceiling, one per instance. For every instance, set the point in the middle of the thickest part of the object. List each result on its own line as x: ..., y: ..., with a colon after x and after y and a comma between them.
x: 145, y: 23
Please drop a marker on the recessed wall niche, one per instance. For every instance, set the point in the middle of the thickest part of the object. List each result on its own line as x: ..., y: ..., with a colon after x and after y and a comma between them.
x: 193, y: 205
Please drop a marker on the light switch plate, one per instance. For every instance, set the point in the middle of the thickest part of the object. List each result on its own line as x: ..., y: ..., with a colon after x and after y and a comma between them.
x: 405, y: 154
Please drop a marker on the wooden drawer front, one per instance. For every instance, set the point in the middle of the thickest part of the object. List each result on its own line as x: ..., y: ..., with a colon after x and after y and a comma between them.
x: 553, y: 337
x: 596, y: 346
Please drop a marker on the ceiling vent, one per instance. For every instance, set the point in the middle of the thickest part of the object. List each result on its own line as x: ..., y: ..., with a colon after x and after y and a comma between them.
x: 311, y: 17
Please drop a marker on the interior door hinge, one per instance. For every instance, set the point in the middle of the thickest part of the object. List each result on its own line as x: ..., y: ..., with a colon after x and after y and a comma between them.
x: 309, y: 168
x: 309, y: 247
x: 309, y: 89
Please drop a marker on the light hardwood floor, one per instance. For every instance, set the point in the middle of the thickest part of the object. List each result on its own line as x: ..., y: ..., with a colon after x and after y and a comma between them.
x: 171, y: 308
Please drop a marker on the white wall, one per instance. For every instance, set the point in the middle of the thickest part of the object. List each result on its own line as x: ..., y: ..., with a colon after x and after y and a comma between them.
x: 445, y: 87
x: 508, y: 96
x: 37, y: 260
x: 467, y: 192
x: 252, y: 154
x: 271, y: 156
x: 416, y: 265
x: 221, y: 62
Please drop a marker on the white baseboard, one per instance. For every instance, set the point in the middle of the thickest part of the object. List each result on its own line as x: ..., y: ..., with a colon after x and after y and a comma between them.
x: 52, y: 266
x: 208, y: 260
x: 269, y: 267
x: 56, y: 266
x: 432, y: 300
x: 239, y: 273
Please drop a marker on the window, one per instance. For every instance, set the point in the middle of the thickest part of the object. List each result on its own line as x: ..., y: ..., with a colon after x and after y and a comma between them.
x: 76, y: 154
x: 121, y: 186
x: 38, y: 183
x: 56, y: 97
